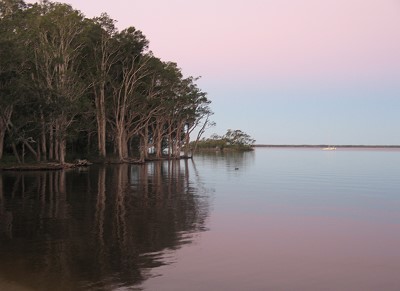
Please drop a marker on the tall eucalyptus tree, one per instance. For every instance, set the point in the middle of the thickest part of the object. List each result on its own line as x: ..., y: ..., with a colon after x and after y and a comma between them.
x: 57, y: 43
x: 11, y: 60
x: 126, y: 76
x: 103, y: 52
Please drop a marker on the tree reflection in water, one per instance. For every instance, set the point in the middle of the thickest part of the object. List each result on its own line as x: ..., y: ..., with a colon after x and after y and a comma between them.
x: 96, y: 229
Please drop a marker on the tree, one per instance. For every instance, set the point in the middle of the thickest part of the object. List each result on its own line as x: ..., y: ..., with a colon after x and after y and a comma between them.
x: 197, y: 112
x: 232, y: 139
x: 11, y: 59
x: 57, y: 43
x: 205, y: 124
x: 10, y: 7
x: 70, y: 79
x: 103, y: 51
x: 238, y: 138
x: 126, y: 76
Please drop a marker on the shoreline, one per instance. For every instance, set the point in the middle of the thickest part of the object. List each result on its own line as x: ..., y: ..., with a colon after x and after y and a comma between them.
x: 37, y: 167
x: 43, y: 166
x: 54, y: 166
x: 325, y: 145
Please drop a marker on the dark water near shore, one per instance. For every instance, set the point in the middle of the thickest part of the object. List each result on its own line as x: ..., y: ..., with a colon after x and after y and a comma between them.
x: 272, y: 219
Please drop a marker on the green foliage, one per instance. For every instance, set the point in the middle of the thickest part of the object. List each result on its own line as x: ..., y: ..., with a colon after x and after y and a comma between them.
x: 55, y: 64
x: 232, y: 139
x: 238, y: 138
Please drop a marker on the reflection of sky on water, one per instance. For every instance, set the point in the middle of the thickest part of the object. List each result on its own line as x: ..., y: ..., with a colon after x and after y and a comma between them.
x: 311, y: 182
x: 295, y: 220
x: 272, y: 219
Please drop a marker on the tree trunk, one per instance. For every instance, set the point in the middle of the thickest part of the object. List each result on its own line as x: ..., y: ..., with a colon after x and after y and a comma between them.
x: 101, y: 123
x: 146, y: 143
x: 38, y: 151
x: 16, y: 153
x: 57, y: 147
x: 23, y: 153
x: 170, y: 142
x: 122, y: 144
x: 5, y: 118
x: 158, y: 146
x: 158, y: 138
x: 177, y: 145
x: 62, y: 150
x: 51, y: 142
x: 43, y: 138
x: 2, y: 135
x: 88, y: 142
x: 187, y: 149
x: 31, y: 149
x: 141, y: 149
x: 200, y: 133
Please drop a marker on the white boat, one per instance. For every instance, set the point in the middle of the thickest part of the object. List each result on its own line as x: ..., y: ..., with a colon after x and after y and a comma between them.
x: 329, y: 148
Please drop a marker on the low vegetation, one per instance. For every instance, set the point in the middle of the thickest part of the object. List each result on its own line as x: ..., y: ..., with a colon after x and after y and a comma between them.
x: 231, y: 140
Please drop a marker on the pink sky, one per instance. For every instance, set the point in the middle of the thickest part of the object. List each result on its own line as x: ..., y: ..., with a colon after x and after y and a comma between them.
x: 302, y: 60
x: 283, y: 39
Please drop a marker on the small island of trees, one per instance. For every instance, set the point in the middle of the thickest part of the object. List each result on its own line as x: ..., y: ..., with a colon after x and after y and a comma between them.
x: 231, y: 140
x: 72, y: 87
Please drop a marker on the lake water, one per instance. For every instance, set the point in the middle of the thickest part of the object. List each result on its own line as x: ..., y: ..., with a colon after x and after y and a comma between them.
x: 272, y: 219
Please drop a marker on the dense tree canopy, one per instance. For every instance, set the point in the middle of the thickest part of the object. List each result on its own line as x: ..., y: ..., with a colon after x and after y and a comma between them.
x: 70, y: 85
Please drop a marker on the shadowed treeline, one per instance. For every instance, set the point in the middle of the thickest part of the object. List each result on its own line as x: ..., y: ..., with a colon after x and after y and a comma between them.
x: 100, y: 228
x: 72, y: 86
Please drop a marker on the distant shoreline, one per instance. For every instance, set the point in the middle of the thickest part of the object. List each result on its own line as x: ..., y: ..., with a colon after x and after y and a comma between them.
x: 324, y: 145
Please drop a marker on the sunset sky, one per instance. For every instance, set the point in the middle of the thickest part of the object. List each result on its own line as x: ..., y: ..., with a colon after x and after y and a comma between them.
x: 284, y: 71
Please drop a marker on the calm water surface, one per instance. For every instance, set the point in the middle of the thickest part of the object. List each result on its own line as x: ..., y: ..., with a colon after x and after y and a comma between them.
x: 272, y: 219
